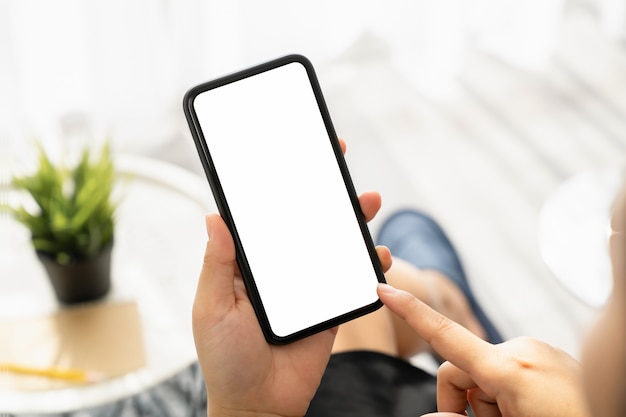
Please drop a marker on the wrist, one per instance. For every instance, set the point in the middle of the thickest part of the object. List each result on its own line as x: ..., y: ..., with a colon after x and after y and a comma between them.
x: 241, y: 414
x: 227, y: 412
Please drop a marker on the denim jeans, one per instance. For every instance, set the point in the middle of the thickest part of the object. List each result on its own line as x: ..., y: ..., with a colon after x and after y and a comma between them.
x: 418, y: 239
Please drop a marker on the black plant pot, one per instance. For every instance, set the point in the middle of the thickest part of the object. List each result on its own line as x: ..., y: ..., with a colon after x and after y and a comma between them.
x: 82, y: 281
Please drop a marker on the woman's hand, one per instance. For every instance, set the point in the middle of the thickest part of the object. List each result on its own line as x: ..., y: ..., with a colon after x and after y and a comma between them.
x: 521, y: 377
x: 245, y: 375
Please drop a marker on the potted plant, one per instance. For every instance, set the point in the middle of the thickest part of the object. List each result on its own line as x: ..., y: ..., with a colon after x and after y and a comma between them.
x: 72, y: 222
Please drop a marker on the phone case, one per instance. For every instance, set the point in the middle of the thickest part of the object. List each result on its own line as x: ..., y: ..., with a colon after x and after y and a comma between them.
x: 223, y: 205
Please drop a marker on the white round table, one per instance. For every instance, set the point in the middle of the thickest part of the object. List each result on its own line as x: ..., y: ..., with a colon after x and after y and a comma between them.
x: 159, y: 244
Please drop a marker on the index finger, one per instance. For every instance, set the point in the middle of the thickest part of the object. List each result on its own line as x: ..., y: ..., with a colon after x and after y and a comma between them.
x: 449, y: 339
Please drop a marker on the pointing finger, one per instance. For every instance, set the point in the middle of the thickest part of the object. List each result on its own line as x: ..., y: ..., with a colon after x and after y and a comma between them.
x: 449, y: 339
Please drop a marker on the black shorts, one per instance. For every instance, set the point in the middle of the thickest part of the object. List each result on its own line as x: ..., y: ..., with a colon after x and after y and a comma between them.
x: 372, y: 384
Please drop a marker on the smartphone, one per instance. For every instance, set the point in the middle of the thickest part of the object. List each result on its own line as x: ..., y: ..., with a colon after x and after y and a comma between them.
x: 281, y: 184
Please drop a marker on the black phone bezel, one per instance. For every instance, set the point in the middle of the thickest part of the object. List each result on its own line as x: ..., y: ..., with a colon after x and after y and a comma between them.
x: 222, y: 204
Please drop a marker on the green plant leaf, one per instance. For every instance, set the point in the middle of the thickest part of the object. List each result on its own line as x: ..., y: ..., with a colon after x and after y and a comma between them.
x: 75, y: 216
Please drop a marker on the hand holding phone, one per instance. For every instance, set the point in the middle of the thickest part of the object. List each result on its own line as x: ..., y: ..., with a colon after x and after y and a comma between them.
x: 281, y: 184
x: 241, y: 371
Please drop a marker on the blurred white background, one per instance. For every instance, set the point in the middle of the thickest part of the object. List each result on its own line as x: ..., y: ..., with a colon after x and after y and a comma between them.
x: 121, y: 67
x: 476, y: 110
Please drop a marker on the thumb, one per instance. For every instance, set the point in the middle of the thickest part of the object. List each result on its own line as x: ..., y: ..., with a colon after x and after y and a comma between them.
x: 215, y: 292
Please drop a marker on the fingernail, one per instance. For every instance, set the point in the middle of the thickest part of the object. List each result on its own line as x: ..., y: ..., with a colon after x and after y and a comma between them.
x: 386, y: 289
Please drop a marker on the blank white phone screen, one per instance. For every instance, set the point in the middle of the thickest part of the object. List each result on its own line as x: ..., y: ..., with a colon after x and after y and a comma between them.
x: 288, y: 201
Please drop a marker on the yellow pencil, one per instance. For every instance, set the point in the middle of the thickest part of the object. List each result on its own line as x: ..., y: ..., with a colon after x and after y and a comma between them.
x: 74, y: 375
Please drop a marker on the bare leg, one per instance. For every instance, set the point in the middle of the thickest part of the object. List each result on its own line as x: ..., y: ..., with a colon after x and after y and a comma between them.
x: 384, y: 332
